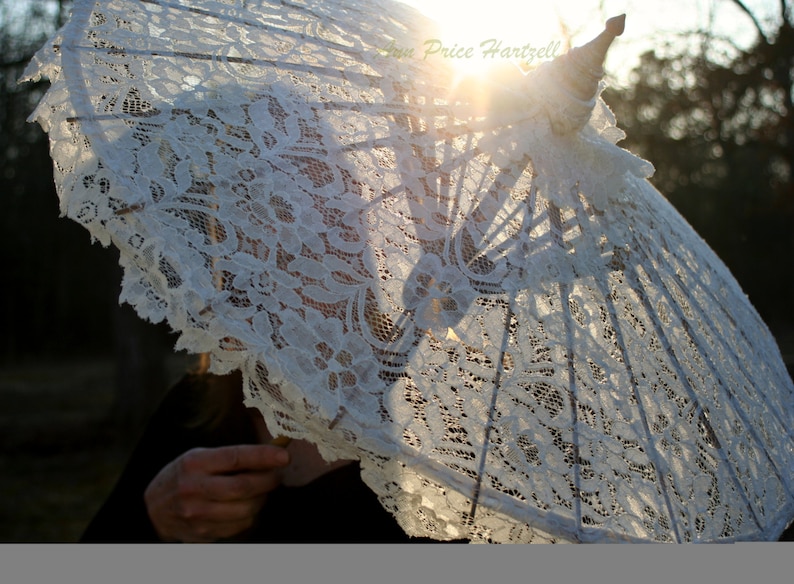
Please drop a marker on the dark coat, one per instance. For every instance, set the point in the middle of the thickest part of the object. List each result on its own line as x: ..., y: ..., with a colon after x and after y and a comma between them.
x: 335, y: 508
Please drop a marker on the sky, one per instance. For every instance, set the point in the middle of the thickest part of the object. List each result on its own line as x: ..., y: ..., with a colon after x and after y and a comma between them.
x: 650, y: 24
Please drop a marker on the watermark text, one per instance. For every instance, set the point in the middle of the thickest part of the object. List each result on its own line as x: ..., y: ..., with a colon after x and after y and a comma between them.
x: 489, y: 49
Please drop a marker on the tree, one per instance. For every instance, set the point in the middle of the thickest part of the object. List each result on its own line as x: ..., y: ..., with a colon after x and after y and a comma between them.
x: 61, y: 294
x: 41, y: 306
x: 721, y: 135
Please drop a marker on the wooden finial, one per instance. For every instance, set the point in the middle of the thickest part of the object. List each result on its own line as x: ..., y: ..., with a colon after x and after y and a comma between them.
x: 574, y: 79
x: 584, y: 65
x: 616, y: 25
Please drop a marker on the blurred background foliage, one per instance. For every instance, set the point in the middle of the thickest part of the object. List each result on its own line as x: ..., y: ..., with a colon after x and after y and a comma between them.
x: 716, y: 120
x: 60, y: 301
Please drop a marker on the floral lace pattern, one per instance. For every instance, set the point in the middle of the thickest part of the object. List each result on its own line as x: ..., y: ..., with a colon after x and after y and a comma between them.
x: 519, y: 338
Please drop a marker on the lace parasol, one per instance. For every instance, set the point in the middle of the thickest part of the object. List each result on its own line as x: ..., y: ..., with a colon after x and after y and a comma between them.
x: 482, y: 300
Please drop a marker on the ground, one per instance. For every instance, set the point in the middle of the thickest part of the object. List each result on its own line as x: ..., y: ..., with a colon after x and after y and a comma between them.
x: 59, y: 457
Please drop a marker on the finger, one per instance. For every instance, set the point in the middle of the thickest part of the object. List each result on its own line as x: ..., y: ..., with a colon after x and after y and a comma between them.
x: 213, y: 532
x: 213, y: 521
x: 199, y: 514
x: 238, y: 487
x: 237, y: 458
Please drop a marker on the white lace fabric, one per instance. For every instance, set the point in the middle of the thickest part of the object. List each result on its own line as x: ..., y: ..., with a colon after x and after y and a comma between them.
x: 510, y: 328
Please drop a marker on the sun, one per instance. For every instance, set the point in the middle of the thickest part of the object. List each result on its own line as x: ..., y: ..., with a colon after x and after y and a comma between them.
x: 476, y: 36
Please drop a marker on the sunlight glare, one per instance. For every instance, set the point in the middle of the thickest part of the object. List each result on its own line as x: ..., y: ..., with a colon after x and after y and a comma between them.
x: 476, y: 35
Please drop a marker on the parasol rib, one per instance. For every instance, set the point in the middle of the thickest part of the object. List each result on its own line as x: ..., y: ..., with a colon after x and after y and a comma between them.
x: 748, y: 424
x: 556, y: 234
x: 489, y: 424
x: 736, y: 359
x: 210, y: 57
x: 687, y: 385
x: 230, y: 18
x: 653, y: 453
x: 615, y: 322
x: 576, y: 465
x: 775, y: 413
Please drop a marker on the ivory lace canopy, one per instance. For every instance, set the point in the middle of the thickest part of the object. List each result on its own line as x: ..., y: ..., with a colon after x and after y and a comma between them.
x: 490, y: 307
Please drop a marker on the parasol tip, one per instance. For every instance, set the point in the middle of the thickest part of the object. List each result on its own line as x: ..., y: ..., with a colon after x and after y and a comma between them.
x: 616, y: 25
x: 584, y: 65
x: 577, y: 75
